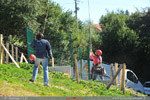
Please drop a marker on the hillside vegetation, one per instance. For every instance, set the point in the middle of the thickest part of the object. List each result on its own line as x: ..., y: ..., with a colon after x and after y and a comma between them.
x: 125, y: 36
x: 14, y: 82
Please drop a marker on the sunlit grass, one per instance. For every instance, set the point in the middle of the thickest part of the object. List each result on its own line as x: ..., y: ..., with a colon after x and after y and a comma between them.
x: 15, y: 82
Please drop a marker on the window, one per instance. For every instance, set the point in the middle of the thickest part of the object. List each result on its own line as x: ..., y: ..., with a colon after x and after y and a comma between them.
x: 147, y: 85
x: 132, y: 77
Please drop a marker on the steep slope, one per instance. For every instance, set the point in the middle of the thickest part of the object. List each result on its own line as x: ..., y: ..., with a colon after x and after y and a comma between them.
x: 14, y: 82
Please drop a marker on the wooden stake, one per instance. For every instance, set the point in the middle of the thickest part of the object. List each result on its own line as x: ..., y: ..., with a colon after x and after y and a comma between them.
x: 23, y: 58
x: 16, y: 54
x: 10, y: 56
x: 12, y: 50
x: 123, y: 78
x: 116, y: 68
x: 87, y: 71
x: 2, y: 49
x: 2, y: 53
x: 52, y: 62
x: 76, y: 68
x: 1, y: 38
x: 83, y: 68
x: 112, y: 72
x: 114, y: 78
x: 7, y: 57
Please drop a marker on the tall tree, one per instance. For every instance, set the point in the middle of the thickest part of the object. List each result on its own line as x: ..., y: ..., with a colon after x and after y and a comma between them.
x: 119, y: 41
x: 140, y: 22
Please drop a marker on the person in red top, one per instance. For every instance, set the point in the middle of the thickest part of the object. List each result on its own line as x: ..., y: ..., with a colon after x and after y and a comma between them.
x: 97, y: 69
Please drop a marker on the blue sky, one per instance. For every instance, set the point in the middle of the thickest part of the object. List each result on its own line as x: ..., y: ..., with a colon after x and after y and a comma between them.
x: 98, y: 7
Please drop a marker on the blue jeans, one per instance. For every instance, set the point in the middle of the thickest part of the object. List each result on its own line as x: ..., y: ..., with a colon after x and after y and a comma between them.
x: 44, y: 62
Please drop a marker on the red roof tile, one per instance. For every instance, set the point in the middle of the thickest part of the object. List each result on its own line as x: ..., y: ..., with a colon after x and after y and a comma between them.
x: 97, y: 26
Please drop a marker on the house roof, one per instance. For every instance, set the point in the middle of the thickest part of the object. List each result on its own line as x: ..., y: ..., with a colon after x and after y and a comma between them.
x: 98, y: 26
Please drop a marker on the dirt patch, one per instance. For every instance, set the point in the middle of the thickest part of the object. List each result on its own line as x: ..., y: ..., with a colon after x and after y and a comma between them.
x: 1, y: 94
x: 9, y: 89
x: 135, y: 93
x: 59, y: 87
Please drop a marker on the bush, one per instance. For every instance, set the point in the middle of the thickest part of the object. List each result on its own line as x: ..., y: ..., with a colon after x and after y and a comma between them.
x: 58, y: 75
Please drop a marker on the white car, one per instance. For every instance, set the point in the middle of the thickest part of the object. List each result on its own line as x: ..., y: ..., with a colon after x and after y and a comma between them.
x: 147, y: 87
x: 130, y: 77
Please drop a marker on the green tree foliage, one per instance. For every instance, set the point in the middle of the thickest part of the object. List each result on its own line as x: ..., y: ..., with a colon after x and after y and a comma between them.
x: 40, y: 16
x: 15, y: 15
x: 96, y: 38
x: 140, y: 22
x: 95, y: 35
x: 126, y: 39
x: 118, y: 40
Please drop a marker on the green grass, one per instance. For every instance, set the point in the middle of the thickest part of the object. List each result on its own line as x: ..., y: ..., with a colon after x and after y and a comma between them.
x: 14, y: 82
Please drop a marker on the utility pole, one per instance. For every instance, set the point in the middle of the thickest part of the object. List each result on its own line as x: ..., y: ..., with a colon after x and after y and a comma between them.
x: 76, y: 9
x: 90, y: 43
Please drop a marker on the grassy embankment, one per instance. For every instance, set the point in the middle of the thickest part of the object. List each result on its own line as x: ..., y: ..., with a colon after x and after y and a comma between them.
x: 14, y: 82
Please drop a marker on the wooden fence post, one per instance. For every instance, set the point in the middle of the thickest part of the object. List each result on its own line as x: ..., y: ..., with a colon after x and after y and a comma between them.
x: 0, y: 46
x: 76, y: 68
x: 2, y: 49
x: 7, y: 57
x: 112, y: 72
x: 52, y: 62
x: 114, y: 77
x: 87, y: 71
x: 116, y: 68
x: 23, y: 58
x: 123, y: 78
x: 83, y: 68
x: 81, y: 62
x: 12, y: 50
x: 16, y: 54
x: 10, y: 56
